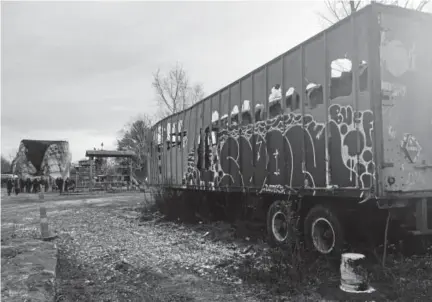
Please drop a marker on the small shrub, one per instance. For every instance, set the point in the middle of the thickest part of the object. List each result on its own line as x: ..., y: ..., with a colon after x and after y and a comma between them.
x: 171, y: 203
x: 283, y: 269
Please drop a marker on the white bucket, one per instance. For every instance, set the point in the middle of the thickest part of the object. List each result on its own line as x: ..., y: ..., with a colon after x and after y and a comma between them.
x: 354, y: 277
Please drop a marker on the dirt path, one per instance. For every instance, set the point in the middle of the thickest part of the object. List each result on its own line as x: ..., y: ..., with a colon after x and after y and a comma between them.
x: 104, y: 255
x: 138, y: 260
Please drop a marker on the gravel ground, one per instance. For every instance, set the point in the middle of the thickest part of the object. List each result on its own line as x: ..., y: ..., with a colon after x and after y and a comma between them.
x: 106, y: 254
x: 138, y: 260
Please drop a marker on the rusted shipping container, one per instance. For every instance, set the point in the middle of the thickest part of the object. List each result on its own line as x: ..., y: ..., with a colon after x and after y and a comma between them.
x: 343, y: 120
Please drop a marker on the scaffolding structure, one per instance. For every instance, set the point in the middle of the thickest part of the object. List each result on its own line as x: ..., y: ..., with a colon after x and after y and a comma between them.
x: 90, y: 176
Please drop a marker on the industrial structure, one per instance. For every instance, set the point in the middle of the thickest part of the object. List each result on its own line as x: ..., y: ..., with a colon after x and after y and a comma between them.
x: 37, y: 158
x: 90, y: 175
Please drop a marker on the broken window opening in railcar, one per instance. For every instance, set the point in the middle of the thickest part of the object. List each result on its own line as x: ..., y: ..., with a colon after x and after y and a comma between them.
x: 179, y: 139
x: 215, y: 126
x: 215, y: 117
x: 179, y: 133
x: 159, y: 151
x: 275, y: 98
x: 184, y: 139
x: 173, y: 142
x: 169, y: 143
x: 342, y: 77
x: 200, y: 150
x: 224, y: 121
x: 173, y: 131
x: 168, y: 136
x: 292, y: 99
x: 246, y: 113
x: 259, y: 112
x: 214, y: 137
x: 159, y: 135
x: 275, y: 109
x: 314, y: 95
x: 234, y: 119
x: 235, y: 115
x: 208, y: 151
x: 174, y: 135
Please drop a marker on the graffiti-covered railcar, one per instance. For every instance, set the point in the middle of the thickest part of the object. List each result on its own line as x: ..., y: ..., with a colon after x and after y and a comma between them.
x: 342, y: 121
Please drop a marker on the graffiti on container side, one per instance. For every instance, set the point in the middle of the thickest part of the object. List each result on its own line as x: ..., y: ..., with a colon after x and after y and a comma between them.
x: 270, y: 154
x: 275, y: 189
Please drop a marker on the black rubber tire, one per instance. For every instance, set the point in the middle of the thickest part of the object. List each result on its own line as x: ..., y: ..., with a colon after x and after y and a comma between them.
x: 276, y: 208
x: 328, y: 216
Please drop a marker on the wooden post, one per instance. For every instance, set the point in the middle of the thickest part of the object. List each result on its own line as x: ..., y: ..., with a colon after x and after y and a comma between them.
x: 45, y: 234
x: 130, y: 173
x: 41, y: 193
x: 76, y: 177
x: 91, y: 173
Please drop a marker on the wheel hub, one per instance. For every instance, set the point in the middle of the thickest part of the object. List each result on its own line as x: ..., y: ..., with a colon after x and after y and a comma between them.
x: 280, y: 226
x: 323, y: 236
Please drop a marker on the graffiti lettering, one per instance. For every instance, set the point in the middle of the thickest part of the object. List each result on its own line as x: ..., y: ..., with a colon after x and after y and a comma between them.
x: 259, y: 143
x: 277, y: 172
x: 276, y: 189
x: 279, y: 152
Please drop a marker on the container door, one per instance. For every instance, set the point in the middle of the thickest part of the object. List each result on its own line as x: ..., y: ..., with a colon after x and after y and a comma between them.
x: 406, y: 85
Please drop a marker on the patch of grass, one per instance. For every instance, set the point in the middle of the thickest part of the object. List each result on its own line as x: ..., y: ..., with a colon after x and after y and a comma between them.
x: 405, y: 278
x: 81, y: 282
x: 170, y: 203
x: 293, y: 270
x: 77, y: 281
x: 74, y: 282
x: 283, y: 272
x: 17, y: 230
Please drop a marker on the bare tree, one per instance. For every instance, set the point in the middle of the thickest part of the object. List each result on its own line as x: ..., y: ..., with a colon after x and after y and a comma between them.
x: 338, y: 10
x: 6, y: 165
x: 108, y: 166
x: 174, y: 92
x: 134, y: 138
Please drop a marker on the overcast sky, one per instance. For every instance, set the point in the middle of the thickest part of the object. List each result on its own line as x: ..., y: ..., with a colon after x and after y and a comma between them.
x: 79, y: 71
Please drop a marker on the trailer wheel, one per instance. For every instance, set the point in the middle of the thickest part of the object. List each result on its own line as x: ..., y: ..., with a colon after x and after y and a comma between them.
x: 279, y: 224
x: 323, y: 232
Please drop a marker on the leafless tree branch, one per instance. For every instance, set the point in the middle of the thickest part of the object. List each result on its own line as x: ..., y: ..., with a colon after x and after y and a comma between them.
x: 133, y: 137
x: 322, y: 16
x: 344, y: 6
x: 174, y: 92
x: 338, y: 10
x: 422, y: 4
x: 331, y: 7
x: 357, y: 5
